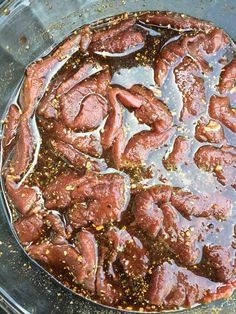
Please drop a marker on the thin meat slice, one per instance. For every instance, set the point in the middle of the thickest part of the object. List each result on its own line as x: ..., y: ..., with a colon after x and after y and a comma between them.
x: 29, y: 229
x: 214, y: 205
x: 183, y: 237
x: 226, y: 175
x: 169, y: 56
x: 89, y: 250
x: 118, y: 147
x: 173, y: 286
x: 93, y: 111
x: 118, y: 38
x: 60, y: 258
x: 208, y: 157
x: 119, y: 26
x: 77, y: 158
x: 37, y: 72
x: 83, y: 73
x: 175, y: 20
x: 33, y: 85
x: 114, y: 121
x: 211, y: 132
x: 48, y: 107
x: 191, y: 85
x: 142, y: 143
x: 25, y: 198
x: 120, y: 42
x: 86, y: 38
x: 98, y: 199
x: 147, y: 212
x: 89, y: 198
x: 129, y: 251
x: 10, y: 129
x: 114, y: 124
x: 107, y: 289
x: 217, y: 39
x: 59, y: 233
x: 49, y: 104
x: 152, y: 112
x: 221, y: 262
x: 23, y: 151
x: 84, y: 107
x: 221, y: 160
x: 179, y: 154
x: 88, y: 144
x: 220, y: 109
x: 227, y: 81
x: 57, y: 195
x: 148, y: 110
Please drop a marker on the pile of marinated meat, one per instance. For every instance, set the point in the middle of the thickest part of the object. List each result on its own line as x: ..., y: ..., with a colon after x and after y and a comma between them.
x: 119, y: 162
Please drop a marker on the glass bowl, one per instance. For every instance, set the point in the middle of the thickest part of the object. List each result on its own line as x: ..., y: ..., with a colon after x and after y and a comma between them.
x: 27, y: 29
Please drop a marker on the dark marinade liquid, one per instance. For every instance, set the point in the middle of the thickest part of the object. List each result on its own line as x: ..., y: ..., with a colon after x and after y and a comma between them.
x: 135, y: 65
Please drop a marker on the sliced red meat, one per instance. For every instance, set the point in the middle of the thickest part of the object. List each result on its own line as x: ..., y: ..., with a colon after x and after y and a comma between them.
x: 228, y: 78
x: 107, y: 290
x: 60, y: 258
x: 183, y: 237
x: 208, y: 157
x: 221, y: 262
x: 173, y: 286
x: 48, y: 107
x: 221, y: 160
x: 118, y: 38
x: 29, y: 229
x: 158, y: 210
x: 77, y: 158
x: 10, y: 129
x: 93, y: 110
x: 169, y: 56
x: 217, y: 39
x: 119, y: 26
x: 141, y: 144
x: 179, y: 154
x: 120, y: 42
x: 129, y: 251
x: 87, y: 144
x: 92, y: 198
x: 148, y: 110
x: 88, y: 248
x: 114, y: 121
x: 226, y: 175
x: 24, y: 198
x: 191, y: 85
x: 152, y: 112
x: 220, y: 109
x: 78, y: 77
x: 83, y: 107
x: 175, y: 20
x: 33, y: 85
x: 99, y: 199
x: 37, y: 72
x: 213, y: 205
x: 211, y: 132
x: 57, y: 195
x: 53, y: 221
x: 148, y: 214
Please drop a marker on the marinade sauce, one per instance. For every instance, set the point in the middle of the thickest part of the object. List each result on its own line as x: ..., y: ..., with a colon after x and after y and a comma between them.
x: 119, y: 162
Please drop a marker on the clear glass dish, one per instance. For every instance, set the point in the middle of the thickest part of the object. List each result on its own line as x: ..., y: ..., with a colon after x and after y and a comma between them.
x: 27, y: 29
